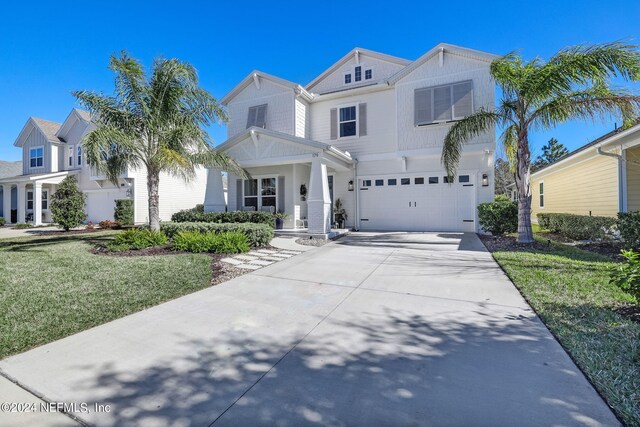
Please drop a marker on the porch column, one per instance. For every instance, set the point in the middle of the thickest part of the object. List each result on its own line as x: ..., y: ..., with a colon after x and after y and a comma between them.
x: 22, y: 202
x: 318, y: 200
x: 37, y: 203
x: 6, y: 202
x: 214, y: 196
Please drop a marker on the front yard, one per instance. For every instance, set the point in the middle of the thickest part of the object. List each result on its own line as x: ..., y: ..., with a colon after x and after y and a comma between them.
x: 53, y: 286
x: 569, y: 289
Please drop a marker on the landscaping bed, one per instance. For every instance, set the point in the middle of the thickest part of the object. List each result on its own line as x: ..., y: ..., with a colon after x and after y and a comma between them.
x: 594, y: 320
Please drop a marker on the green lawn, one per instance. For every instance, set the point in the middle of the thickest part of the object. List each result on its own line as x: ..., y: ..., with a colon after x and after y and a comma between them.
x: 569, y: 289
x: 52, y: 287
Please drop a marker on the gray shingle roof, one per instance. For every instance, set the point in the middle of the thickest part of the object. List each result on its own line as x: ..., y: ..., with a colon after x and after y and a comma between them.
x: 9, y: 169
x: 84, y: 114
x: 49, y: 128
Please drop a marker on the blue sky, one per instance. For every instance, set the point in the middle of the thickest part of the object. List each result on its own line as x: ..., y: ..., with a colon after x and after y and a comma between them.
x: 51, y: 48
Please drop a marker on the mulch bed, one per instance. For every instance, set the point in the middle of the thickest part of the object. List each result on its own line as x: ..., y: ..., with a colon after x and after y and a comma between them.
x: 509, y: 244
x: 608, y: 249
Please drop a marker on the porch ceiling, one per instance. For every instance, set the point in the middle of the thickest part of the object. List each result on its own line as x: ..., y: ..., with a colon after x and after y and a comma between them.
x: 49, y: 178
x: 260, y: 147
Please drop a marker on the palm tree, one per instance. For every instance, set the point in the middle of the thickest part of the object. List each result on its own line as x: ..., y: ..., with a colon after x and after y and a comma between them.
x: 573, y: 84
x: 154, y: 123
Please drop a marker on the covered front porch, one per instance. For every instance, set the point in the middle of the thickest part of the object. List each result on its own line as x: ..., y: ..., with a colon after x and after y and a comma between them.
x: 26, y: 198
x: 288, y: 175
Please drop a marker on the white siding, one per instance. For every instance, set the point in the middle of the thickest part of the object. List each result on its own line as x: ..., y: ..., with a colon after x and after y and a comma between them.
x: 303, y: 119
x: 454, y: 69
x: 381, y: 123
x: 36, y: 139
x: 280, y: 110
x: 335, y: 81
x: 176, y: 194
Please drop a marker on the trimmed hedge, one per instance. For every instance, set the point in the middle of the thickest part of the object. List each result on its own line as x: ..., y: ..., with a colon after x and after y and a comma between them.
x: 123, y: 213
x: 499, y: 216
x: 629, y: 227
x: 195, y: 215
x: 137, y: 239
x: 577, y: 227
x: 257, y: 234
x: 229, y: 242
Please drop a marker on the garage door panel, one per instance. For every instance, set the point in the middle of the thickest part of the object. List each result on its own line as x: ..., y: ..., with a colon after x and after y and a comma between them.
x: 417, y: 207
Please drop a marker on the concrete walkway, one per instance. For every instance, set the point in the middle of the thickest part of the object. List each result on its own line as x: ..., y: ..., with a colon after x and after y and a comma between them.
x: 373, y: 329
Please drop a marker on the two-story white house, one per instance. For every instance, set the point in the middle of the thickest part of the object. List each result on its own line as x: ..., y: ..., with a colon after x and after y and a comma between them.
x: 52, y: 151
x: 368, y: 131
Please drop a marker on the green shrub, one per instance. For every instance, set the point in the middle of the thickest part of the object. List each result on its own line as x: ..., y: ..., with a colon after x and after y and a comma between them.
x: 627, y: 275
x: 257, y: 234
x: 123, y: 212
x: 629, y: 227
x: 194, y: 215
x: 136, y: 239
x: 577, y: 227
x: 22, y: 226
x: 230, y: 242
x: 2, y: 221
x: 499, y: 216
x: 67, y: 204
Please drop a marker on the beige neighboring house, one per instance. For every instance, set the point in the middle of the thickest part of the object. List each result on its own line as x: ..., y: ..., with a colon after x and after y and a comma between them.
x: 601, y: 178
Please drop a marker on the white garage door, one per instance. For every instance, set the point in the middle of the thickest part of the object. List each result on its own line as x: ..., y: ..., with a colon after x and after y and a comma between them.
x: 417, y: 203
x: 100, y: 204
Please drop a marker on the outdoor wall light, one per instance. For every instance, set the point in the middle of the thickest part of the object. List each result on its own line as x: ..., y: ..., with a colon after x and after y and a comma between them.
x: 350, y: 185
x: 485, y: 180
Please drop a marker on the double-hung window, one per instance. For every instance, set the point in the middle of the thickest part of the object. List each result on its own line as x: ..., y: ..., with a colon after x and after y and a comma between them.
x: 358, y: 73
x: 36, y: 157
x: 541, y: 201
x: 45, y: 200
x: 29, y: 200
x: 347, y: 121
x: 79, y: 153
x: 439, y: 104
x: 260, y: 193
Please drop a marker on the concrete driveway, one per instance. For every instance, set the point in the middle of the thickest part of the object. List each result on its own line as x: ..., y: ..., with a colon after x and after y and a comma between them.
x: 374, y: 329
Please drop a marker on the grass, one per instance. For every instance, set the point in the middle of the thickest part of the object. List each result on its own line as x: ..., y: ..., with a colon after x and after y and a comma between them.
x: 569, y: 289
x: 52, y: 287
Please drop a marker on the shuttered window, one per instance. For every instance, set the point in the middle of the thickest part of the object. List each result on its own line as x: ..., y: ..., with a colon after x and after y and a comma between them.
x: 348, y: 121
x: 443, y: 103
x: 257, y: 116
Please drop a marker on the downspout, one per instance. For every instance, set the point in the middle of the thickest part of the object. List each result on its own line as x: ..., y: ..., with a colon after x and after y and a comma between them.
x: 622, y: 196
x: 356, y: 224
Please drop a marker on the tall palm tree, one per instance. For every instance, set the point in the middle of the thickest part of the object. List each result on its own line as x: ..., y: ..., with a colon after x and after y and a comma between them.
x: 573, y: 84
x: 155, y: 123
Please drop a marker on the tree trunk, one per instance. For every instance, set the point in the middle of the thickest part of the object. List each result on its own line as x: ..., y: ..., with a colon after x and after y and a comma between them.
x: 523, y: 185
x: 153, y: 185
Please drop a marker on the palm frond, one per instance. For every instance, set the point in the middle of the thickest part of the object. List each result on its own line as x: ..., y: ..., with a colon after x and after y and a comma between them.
x: 509, y: 140
x: 461, y: 133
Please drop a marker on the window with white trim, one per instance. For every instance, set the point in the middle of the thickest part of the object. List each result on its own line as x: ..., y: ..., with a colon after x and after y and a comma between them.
x: 45, y: 200
x: 541, y: 201
x: 347, y: 121
x: 368, y: 74
x: 29, y: 200
x: 36, y: 157
x: 440, y: 104
x: 71, y: 156
x: 261, y: 193
x: 347, y: 78
x: 358, y: 73
x: 79, y: 153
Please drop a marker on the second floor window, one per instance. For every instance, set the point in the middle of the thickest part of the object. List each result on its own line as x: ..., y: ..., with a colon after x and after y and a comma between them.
x: 257, y: 116
x: 444, y: 103
x: 358, y: 73
x: 71, y: 156
x: 348, y: 121
x: 79, y: 156
x: 36, y: 157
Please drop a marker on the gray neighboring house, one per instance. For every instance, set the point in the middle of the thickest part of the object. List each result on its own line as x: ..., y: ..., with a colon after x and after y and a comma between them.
x: 8, y: 169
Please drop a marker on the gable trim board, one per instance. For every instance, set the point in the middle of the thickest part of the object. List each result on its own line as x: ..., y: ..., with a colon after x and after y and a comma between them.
x: 254, y: 78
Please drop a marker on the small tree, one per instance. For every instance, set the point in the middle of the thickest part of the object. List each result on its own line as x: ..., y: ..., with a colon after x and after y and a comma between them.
x: 67, y: 204
x: 551, y: 153
x: 504, y: 176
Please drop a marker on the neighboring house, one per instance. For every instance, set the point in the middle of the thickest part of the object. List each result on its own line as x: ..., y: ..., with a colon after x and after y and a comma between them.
x: 8, y: 169
x: 368, y: 131
x: 52, y: 151
x: 600, y: 178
